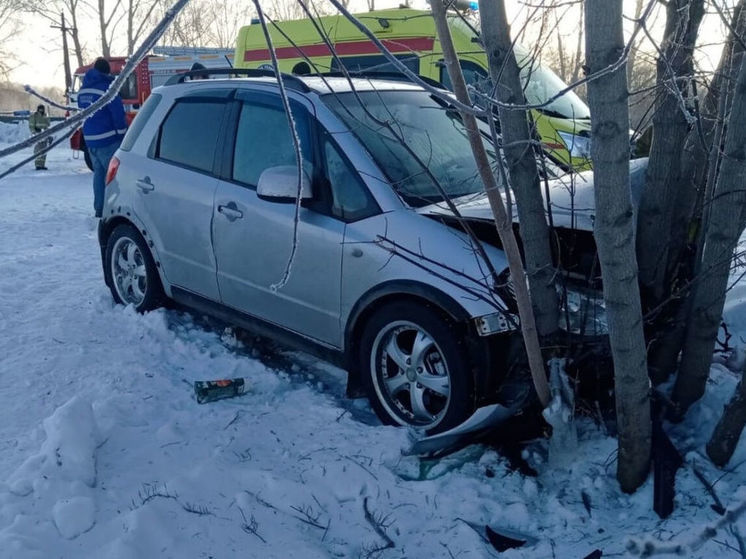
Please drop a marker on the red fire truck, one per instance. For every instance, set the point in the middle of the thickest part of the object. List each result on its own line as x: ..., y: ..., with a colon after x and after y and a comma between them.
x: 150, y: 73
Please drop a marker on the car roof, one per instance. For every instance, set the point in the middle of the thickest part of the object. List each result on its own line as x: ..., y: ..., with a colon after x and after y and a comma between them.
x: 317, y: 84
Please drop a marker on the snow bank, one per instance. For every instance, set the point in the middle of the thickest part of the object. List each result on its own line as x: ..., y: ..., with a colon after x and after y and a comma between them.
x: 68, y: 453
x: 126, y: 465
x: 12, y: 133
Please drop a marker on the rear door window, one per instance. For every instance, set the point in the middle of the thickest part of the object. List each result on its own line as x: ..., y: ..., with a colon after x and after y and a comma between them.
x: 190, y: 133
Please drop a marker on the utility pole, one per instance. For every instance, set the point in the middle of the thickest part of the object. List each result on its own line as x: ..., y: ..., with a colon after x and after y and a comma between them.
x: 65, y: 54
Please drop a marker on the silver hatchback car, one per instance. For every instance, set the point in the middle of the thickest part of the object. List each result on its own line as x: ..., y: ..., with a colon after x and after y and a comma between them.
x: 200, y: 208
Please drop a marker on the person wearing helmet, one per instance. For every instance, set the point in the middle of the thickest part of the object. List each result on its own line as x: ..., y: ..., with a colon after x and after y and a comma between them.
x: 38, y: 122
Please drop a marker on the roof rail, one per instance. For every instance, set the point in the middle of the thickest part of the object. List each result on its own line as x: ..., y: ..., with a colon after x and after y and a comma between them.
x: 393, y: 76
x: 290, y: 80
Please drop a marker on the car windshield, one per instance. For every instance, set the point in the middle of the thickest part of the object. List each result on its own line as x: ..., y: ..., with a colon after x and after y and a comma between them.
x: 414, y: 138
x: 541, y: 84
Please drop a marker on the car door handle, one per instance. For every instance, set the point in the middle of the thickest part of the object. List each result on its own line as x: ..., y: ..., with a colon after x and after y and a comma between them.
x: 145, y: 185
x: 231, y: 211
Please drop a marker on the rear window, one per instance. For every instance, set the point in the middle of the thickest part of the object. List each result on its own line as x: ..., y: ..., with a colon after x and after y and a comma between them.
x: 140, y: 120
x: 190, y: 133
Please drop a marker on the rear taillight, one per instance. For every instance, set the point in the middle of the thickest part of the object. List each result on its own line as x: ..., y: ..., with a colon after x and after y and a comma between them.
x: 111, y: 173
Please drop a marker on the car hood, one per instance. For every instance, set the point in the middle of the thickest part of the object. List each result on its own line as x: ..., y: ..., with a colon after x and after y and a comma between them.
x: 571, y: 199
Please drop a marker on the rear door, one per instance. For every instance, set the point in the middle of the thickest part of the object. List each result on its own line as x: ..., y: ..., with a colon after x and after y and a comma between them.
x: 254, y: 238
x: 176, y: 189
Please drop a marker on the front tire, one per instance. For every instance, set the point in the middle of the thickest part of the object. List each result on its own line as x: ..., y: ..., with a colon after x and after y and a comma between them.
x: 131, y: 272
x: 415, y: 367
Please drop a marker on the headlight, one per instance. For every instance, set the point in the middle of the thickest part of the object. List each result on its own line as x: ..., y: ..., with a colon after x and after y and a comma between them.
x: 578, y: 146
x: 583, y: 312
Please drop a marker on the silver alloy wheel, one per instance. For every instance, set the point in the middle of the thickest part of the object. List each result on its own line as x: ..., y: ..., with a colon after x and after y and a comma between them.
x: 410, y: 374
x: 128, y: 271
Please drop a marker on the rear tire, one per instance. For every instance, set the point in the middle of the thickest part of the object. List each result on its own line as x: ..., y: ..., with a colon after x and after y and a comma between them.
x: 414, y: 364
x: 130, y: 270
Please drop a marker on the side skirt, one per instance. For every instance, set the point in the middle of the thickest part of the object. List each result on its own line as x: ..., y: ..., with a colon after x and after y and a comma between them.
x: 260, y: 327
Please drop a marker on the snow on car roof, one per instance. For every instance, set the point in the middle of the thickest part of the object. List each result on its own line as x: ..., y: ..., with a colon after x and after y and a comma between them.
x: 318, y: 84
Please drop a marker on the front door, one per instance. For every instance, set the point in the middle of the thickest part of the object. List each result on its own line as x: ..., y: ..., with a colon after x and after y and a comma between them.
x: 255, y: 241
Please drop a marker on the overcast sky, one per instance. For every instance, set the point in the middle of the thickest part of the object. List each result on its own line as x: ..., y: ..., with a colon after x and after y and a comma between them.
x: 39, y: 51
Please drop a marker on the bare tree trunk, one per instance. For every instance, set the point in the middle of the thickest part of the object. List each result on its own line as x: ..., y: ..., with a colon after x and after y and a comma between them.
x: 725, y: 437
x: 615, y: 237
x: 670, y: 127
x: 577, y: 65
x: 76, y: 38
x: 504, y: 225
x: 724, y: 227
x: 105, y: 51
x: 560, y: 48
x: 688, y: 216
x: 633, y: 49
x: 524, y: 177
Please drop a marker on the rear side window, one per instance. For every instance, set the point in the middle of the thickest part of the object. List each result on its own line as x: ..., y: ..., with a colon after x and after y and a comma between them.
x: 190, y: 134
x: 140, y: 120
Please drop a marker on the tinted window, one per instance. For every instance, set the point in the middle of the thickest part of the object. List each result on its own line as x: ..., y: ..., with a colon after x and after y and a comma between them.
x: 140, y: 120
x: 350, y: 197
x: 190, y: 133
x: 263, y: 140
x: 376, y: 63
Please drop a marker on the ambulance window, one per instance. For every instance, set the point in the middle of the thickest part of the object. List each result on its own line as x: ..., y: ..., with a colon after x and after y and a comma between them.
x: 190, y: 133
x: 351, y: 200
x: 473, y: 74
x: 376, y: 63
x: 263, y: 140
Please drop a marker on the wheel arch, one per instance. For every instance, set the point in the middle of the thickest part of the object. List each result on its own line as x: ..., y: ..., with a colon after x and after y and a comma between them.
x: 384, y: 294
x: 105, y: 229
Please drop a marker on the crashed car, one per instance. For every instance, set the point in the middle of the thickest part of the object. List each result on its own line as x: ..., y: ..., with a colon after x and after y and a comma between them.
x: 372, y: 270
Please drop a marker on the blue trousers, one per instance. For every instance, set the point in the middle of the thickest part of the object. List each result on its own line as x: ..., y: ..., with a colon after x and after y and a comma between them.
x: 100, y: 157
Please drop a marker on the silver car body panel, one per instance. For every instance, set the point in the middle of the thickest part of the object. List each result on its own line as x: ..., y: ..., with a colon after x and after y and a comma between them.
x: 337, y: 265
x: 571, y: 196
x: 252, y: 254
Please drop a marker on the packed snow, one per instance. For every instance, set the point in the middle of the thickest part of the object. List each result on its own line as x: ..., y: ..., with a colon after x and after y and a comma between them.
x: 105, y: 453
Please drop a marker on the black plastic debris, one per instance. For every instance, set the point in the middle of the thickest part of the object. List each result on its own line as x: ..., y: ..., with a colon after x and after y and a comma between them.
x: 666, y: 461
x: 502, y: 542
x: 211, y: 390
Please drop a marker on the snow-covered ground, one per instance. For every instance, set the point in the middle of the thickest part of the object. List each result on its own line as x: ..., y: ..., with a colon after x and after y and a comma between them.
x: 105, y: 453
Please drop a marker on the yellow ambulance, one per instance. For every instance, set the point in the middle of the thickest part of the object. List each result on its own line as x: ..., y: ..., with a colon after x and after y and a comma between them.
x: 563, y: 125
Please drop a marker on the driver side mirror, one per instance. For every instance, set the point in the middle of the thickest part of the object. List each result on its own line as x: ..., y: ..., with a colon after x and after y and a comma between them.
x: 280, y: 184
